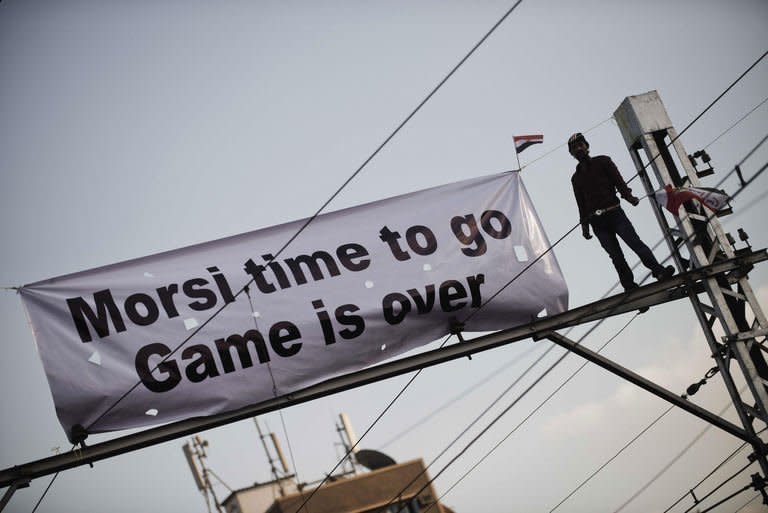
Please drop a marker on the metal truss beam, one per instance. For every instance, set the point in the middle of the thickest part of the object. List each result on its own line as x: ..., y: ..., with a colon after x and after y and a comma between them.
x: 649, y: 295
x: 646, y: 128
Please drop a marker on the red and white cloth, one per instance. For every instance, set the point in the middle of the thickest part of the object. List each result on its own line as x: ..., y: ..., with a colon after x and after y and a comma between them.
x: 671, y: 197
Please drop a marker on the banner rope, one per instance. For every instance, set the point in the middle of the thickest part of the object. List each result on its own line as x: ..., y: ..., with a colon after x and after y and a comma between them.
x: 256, y: 325
x: 548, y: 153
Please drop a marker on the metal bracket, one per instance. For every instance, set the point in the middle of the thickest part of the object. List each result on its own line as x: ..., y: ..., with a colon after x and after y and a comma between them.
x: 745, y: 335
x: 457, y: 328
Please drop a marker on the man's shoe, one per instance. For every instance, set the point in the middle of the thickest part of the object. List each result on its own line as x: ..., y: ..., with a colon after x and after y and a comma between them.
x: 630, y: 286
x: 663, y: 273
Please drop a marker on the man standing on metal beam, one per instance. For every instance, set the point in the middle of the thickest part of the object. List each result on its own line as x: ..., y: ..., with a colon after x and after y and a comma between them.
x: 595, y: 184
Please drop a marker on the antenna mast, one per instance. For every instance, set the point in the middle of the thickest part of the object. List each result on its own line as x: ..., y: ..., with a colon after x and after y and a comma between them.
x: 196, y: 456
x: 348, y: 440
x: 276, y: 444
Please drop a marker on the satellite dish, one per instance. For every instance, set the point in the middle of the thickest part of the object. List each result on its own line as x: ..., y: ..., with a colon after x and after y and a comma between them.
x: 373, y: 459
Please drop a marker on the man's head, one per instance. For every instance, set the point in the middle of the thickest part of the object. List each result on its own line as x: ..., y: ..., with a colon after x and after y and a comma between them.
x: 578, y: 146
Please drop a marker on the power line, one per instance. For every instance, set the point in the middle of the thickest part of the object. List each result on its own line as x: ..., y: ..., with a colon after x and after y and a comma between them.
x: 470, y: 425
x: 360, y: 439
x: 689, y: 125
x: 500, y: 396
x: 47, y: 488
x: 742, y: 118
x: 541, y: 404
x: 480, y: 308
x: 593, y: 474
x: 733, y: 476
x: 488, y: 301
x: 453, y: 400
x: 274, y: 392
x: 503, y: 287
x: 735, y: 169
x: 40, y: 500
x: 734, y: 494
x: 670, y: 463
x: 745, y: 208
x: 564, y: 144
x: 750, y: 501
x: 674, y: 460
x: 722, y: 180
x: 738, y: 79
x: 719, y: 465
x: 326, y: 203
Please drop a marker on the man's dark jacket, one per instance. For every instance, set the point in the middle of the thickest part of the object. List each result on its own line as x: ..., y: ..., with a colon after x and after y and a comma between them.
x: 595, y: 183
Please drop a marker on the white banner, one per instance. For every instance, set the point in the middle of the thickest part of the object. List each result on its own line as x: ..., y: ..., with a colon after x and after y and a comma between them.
x: 221, y: 325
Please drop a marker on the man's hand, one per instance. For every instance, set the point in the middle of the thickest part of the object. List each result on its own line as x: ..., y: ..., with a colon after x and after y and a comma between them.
x: 633, y: 200
x: 585, y: 231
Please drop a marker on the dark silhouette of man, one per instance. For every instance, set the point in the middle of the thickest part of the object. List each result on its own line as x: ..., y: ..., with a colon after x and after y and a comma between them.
x: 595, y: 184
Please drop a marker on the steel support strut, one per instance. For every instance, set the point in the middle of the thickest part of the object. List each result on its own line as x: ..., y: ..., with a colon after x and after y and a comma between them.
x: 696, y: 240
x: 22, y: 483
x: 652, y: 387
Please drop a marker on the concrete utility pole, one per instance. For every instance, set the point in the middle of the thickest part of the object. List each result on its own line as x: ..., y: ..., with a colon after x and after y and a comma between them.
x: 696, y: 240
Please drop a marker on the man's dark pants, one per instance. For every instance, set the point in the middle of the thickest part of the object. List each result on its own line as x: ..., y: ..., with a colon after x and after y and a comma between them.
x: 612, y: 223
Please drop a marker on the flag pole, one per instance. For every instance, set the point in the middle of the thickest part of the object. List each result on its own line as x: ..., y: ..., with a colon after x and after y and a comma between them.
x: 519, y: 168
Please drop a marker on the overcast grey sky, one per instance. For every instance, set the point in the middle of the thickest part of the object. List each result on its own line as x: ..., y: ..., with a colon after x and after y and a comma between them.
x: 129, y: 128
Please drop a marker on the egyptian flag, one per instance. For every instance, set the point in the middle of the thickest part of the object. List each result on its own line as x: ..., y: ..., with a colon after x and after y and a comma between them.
x: 672, y: 198
x: 523, y: 141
